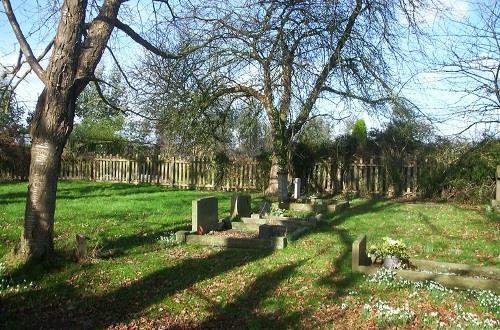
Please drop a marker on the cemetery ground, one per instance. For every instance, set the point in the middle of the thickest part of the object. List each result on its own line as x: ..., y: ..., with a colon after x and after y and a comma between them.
x: 137, y: 276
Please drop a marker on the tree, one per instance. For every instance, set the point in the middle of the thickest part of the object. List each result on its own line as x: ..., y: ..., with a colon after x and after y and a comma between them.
x: 100, y: 123
x: 358, y: 132
x: 401, y: 137
x: 287, y: 55
x: 185, y: 123
x: 472, y: 66
x: 11, y: 129
x: 81, y: 37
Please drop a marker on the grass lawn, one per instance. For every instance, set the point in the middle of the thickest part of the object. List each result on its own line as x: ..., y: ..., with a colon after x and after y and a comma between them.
x: 138, y: 279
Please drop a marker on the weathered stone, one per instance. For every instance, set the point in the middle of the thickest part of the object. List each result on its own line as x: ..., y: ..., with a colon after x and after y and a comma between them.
x: 229, y: 242
x: 296, y: 188
x: 496, y: 202
x: 296, y: 233
x: 282, y: 187
x: 255, y: 216
x: 340, y: 206
x: 498, y: 184
x: 269, y: 231
x: 204, y: 215
x: 180, y: 236
x: 359, y: 257
x: 225, y: 224
x: 240, y: 206
x: 264, y: 208
x: 81, y: 246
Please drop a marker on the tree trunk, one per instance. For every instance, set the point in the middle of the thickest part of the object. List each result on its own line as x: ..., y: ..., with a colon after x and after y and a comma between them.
x: 37, y: 236
x: 49, y: 134
x: 272, y: 188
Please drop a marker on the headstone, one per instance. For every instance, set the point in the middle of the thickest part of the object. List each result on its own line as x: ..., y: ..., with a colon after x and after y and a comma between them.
x: 296, y: 188
x: 240, y: 205
x: 498, y: 184
x: 359, y: 256
x: 268, y: 231
x: 255, y: 216
x: 496, y: 202
x: 204, y: 215
x: 264, y: 208
x: 81, y: 246
x: 282, y: 187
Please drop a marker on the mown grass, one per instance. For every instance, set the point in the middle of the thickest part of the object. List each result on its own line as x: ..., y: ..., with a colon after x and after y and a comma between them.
x: 136, y: 279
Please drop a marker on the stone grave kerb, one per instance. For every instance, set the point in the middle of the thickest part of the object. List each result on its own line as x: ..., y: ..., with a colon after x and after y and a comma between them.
x: 204, y: 216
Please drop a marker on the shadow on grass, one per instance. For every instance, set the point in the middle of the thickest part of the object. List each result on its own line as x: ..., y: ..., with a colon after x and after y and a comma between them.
x: 86, y: 189
x: 341, y: 278
x: 241, y: 313
x: 65, y: 306
x: 48, y: 309
x: 13, y: 197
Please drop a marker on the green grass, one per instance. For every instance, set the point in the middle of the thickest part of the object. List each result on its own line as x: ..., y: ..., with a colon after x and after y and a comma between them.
x: 139, y: 280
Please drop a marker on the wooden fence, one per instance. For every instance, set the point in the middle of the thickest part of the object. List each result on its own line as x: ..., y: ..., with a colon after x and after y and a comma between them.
x: 200, y: 173
x: 364, y: 176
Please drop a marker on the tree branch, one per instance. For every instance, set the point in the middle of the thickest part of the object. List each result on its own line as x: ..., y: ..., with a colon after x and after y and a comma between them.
x: 356, y: 97
x: 120, y: 68
x: 146, y: 44
x: 327, y: 68
x: 112, y: 106
x: 25, y: 47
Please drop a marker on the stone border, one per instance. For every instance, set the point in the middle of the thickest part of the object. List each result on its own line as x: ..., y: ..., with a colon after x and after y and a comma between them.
x: 316, y: 207
x: 361, y: 263
x: 284, y: 221
x: 278, y: 243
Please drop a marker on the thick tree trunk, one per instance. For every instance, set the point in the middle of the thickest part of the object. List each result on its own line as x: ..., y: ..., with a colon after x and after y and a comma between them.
x: 52, y: 124
x: 273, y: 177
x: 278, y: 181
x: 37, y: 236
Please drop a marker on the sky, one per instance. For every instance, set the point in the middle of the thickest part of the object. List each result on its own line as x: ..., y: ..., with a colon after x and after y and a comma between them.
x: 425, y: 86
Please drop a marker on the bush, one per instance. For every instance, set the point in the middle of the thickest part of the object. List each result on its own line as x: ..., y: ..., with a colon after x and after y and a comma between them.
x: 461, y: 172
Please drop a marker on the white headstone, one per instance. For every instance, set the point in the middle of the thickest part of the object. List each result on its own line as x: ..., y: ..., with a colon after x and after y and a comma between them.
x: 296, y: 188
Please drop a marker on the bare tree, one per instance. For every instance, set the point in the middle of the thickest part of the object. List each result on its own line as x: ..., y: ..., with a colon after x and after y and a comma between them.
x: 288, y: 55
x: 77, y: 47
x: 472, y: 66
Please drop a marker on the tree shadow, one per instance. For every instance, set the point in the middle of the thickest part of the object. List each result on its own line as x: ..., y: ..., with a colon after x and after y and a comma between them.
x: 342, y: 278
x: 13, y: 197
x: 65, y: 306
x: 241, y: 313
x: 76, y: 310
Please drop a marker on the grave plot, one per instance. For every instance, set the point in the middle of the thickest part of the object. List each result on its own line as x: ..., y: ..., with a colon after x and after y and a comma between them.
x: 447, y: 274
x: 316, y: 205
x: 264, y: 234
x: 311, y: 204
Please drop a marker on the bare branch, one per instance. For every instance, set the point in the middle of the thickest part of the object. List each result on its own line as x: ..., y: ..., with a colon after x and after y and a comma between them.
x: 146, y: 44
x: 120, y: 68
x: 356, y: 97
x: 96, y: 82
x: 25, y: 47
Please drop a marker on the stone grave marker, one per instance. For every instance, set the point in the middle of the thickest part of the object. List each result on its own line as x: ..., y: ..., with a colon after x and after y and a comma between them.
x: 269, y: 231
x: 496, y: 202
x: 296, y: 188
x: 264, y: 208
x: 241, y: 205
x: 204, y: 216
x: 359, y: 256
